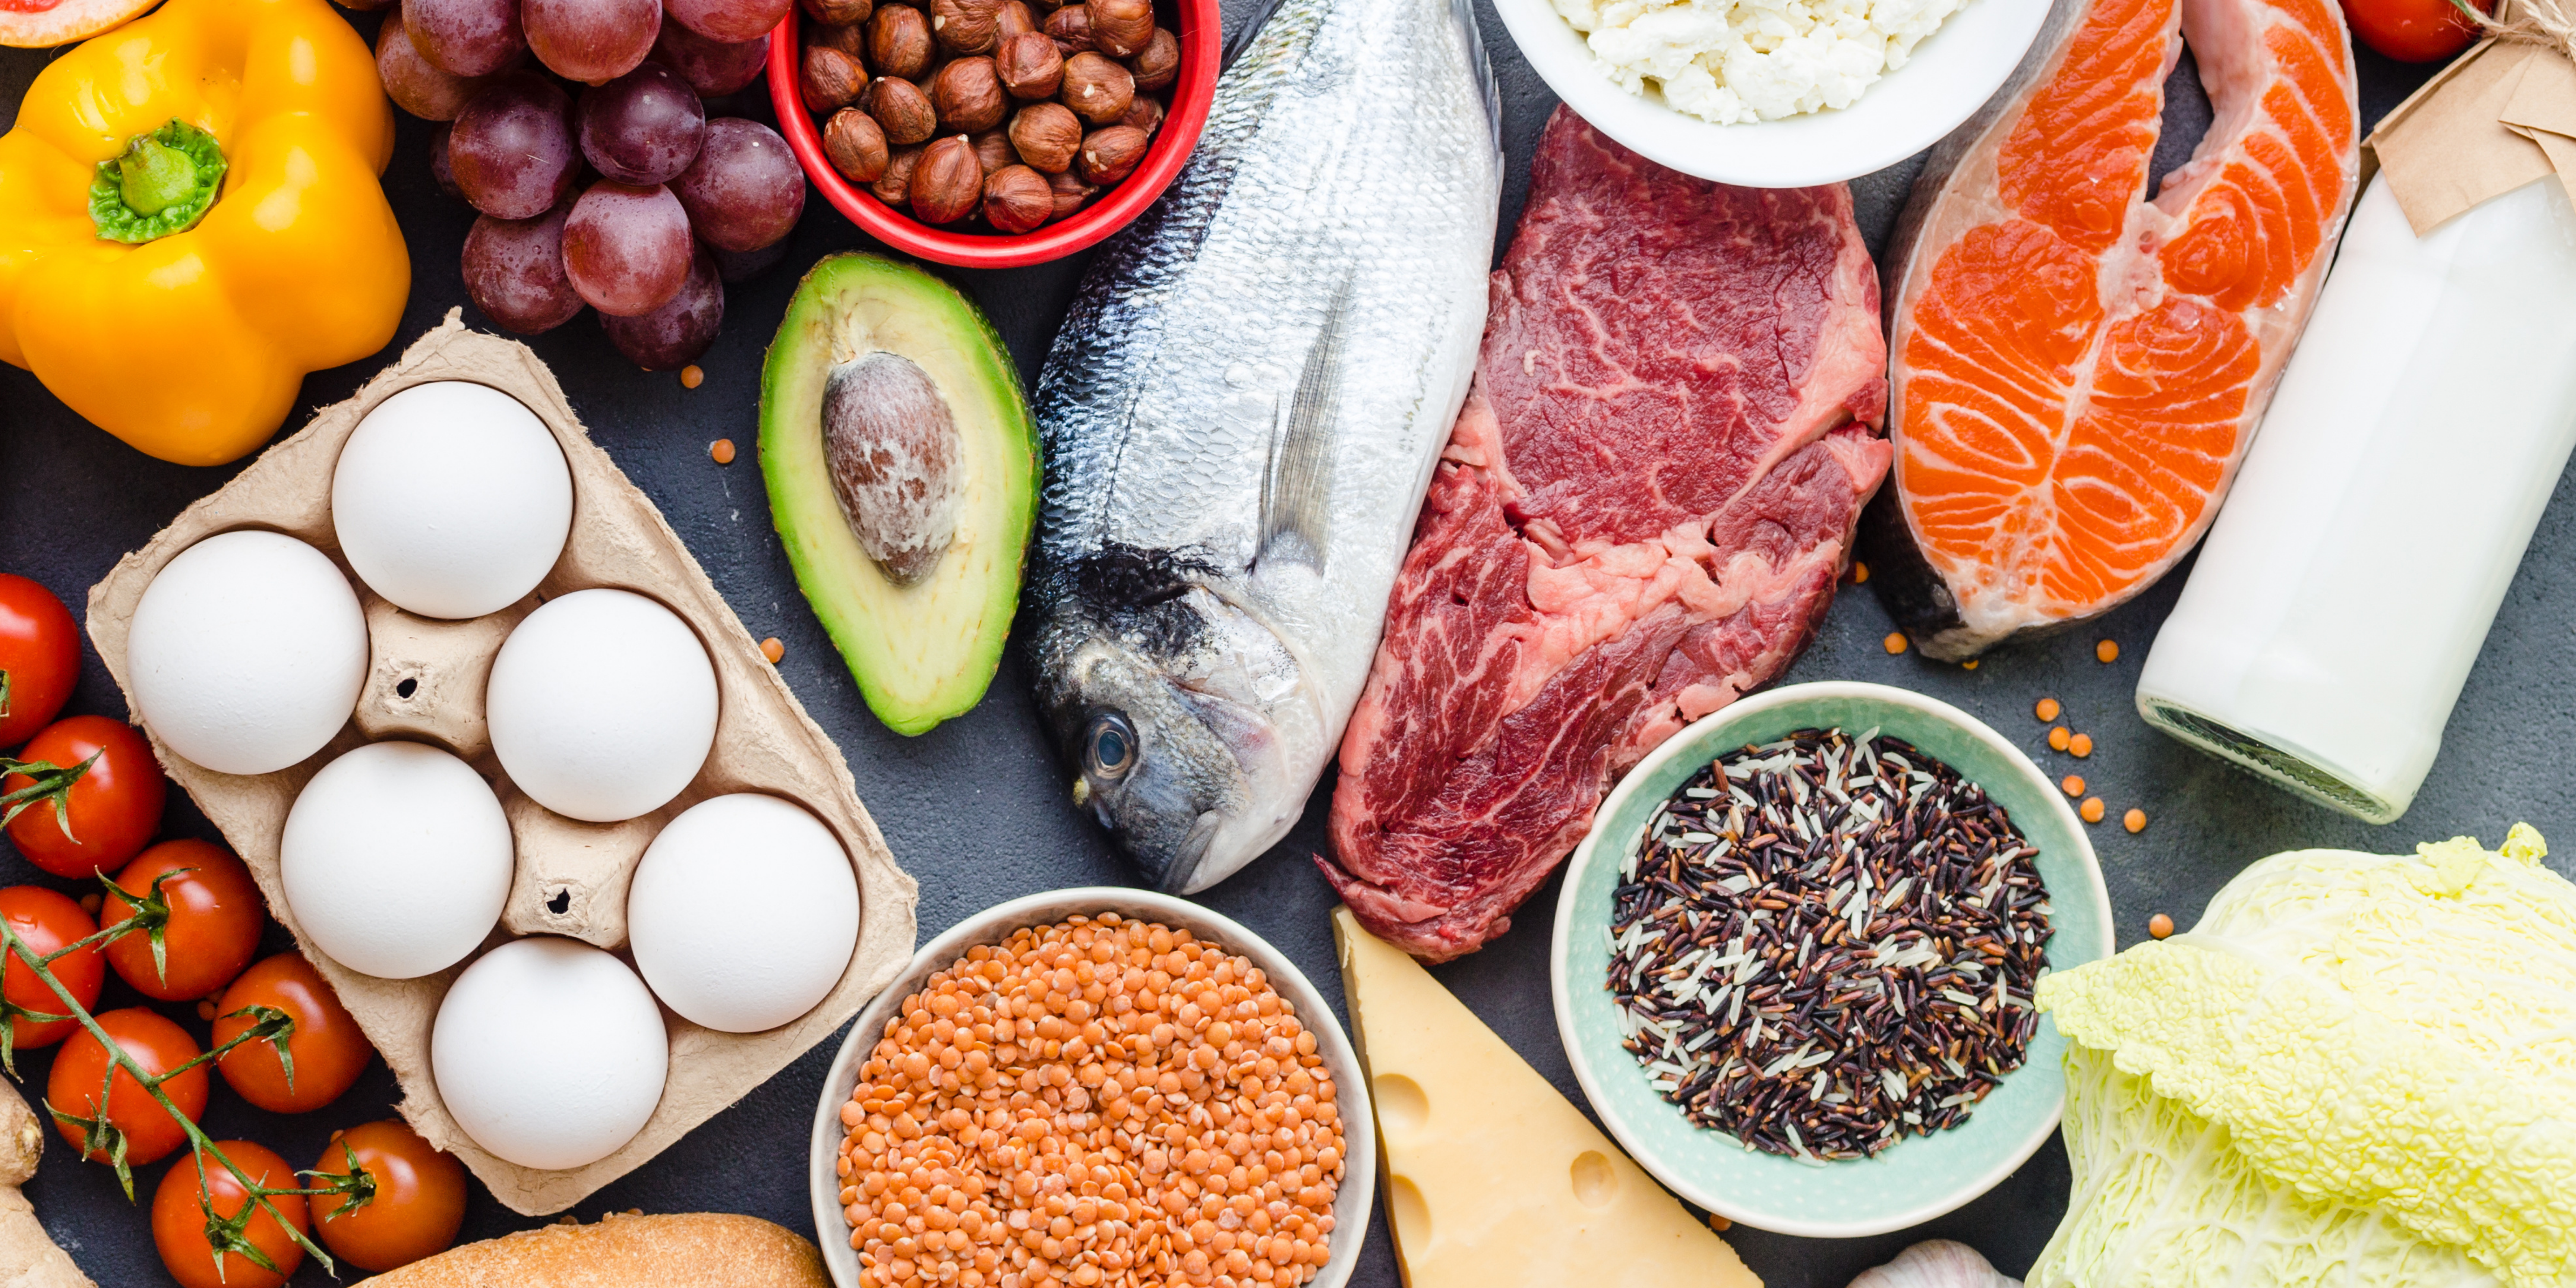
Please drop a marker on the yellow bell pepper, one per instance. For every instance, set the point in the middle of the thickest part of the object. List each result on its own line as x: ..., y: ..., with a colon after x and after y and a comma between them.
x: 190, y: 337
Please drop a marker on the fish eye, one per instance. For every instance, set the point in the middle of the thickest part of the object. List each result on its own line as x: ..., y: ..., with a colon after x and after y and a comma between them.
x: 1109, y: 750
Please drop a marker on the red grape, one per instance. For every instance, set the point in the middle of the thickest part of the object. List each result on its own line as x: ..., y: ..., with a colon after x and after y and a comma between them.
x: 440, y: 172
x: 591, y: 41
x: 745, y: 190
x: 361, y: 6
x: 512, y: 149
x: 467, y: 37
x: 415, y: 84
x: 642, y: 127
x: 712, y: 69
x: 727, y: 20
x: 514, y: 269
x: 627, y: 249
x: 675, y: 334
x: 744, y: 265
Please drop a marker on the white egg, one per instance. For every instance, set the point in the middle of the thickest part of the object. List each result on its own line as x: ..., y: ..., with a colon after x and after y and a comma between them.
x: 743, y: 913
x: 549, y: 1053
x: 602, y: 705
x: 451, y: 499
x: 396, y: 860
x: 246, y: 653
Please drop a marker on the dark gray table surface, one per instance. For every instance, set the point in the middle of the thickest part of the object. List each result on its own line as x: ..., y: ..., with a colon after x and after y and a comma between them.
x: 977, y: 809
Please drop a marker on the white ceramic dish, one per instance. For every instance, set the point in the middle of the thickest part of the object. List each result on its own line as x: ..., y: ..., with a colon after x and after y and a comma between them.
x: 995, y: 924
x: 1919, y: 1177
x: 1951, y: 73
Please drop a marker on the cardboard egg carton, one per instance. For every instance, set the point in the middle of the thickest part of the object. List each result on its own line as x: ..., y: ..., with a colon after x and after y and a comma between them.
x: 425, y: 683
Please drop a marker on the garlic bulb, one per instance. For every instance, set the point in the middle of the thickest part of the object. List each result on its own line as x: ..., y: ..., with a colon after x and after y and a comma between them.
x: 1936, y: 1263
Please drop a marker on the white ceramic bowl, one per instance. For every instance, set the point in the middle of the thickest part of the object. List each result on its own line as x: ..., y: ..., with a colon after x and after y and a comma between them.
x: 1951, y: 73
x: 1918, y: 1177
x: 995, y: 924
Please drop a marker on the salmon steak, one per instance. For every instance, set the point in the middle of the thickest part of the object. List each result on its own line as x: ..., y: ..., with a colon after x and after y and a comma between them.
x: 2077, y: 369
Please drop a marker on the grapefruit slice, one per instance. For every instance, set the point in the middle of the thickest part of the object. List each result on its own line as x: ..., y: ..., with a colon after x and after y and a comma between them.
x: 2077, y: 368
x: 40, y: 24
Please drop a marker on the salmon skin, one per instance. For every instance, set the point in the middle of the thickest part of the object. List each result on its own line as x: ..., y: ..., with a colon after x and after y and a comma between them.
x: 2076, y: 369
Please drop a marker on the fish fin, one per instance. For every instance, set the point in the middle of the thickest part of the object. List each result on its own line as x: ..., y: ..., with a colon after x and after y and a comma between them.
x: 1296, y: 492
x: 1241, y: 37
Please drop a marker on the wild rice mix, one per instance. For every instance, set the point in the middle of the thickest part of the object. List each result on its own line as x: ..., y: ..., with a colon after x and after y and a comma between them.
x: 1830, y: 948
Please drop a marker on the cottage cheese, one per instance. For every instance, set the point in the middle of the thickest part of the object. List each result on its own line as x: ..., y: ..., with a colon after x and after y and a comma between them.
x: 1730, y: 61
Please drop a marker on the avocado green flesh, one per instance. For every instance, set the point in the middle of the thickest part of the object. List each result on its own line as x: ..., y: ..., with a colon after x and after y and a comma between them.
x: 921, y: 653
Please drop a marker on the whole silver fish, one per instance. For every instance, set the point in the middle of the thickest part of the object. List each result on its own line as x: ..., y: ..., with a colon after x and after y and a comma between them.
x: 1240, y: 417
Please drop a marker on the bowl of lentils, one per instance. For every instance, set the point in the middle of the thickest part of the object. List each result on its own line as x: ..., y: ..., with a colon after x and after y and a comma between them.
x: 1088, y: 1088
x: 1793, y: 960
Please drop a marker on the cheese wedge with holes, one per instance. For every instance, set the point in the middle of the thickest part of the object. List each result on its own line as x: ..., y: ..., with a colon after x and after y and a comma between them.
x: 1491, y: 1177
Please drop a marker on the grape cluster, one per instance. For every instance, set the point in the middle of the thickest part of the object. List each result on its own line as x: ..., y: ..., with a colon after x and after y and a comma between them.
x: 605, y: 183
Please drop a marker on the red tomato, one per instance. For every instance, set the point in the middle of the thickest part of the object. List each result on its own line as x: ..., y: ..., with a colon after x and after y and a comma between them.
x: 419, y: 1203
x: 329, y: 1050
x: 179, y: 1219
x: 2413, y: 31
x: 39, y: 658
x: 114, y: 806
x: 158, y: 1046
x: 47, y: 921
x: 215, y: 916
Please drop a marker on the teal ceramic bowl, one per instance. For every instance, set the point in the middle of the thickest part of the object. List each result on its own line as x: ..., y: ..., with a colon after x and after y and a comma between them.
x: 1919, y: 1177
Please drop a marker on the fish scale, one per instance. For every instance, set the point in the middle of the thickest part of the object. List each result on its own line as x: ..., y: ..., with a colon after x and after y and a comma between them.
x: 1240, y: 416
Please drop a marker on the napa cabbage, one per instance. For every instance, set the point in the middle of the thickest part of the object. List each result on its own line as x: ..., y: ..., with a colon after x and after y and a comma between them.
x: 2357, y: 1069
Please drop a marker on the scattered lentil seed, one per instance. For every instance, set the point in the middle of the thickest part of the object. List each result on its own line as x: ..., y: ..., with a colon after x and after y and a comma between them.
x: 90, y: 902
x: 1860, y: 572
x: 2107, y: 651
x: 2073, y: 784
x: 2046, y: 710
x: 772, y: 649
x: 2135, y: 820
x: 1895, y: 641
x: 1824, y: 944
x: 2057, y: 739
x: 2080, y: 745
x: 2160, y: 926
x: 2091, y: 809
x: 1970, y: 664
x: 1098, y: 1103
x: 1719, y: 1223
x: 691, y: 377
x: 206, y: 1009
x: 721, y: 450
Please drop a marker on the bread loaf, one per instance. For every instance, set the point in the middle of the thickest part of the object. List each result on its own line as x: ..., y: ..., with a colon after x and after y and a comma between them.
x: 698, y: 1249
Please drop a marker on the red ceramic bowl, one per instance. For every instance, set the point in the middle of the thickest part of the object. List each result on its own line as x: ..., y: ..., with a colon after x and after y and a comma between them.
x: 1199, y: 29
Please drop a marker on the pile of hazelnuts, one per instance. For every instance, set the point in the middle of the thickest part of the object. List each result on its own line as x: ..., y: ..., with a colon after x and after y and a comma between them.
x: 1009, y: 112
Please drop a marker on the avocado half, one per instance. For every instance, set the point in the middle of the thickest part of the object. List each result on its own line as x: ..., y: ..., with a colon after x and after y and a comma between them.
x: 922, y: 651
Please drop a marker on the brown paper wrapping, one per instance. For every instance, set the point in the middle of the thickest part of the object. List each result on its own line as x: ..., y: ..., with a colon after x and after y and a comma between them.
x: 2500, y: 116
x: 764, y: 742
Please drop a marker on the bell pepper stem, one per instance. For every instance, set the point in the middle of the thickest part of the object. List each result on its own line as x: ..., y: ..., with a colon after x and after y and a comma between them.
x: 162, y: 183
x: 155, y: 177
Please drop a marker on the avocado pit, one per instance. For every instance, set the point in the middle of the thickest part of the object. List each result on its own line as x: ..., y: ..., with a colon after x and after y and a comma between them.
x: 891, y: 448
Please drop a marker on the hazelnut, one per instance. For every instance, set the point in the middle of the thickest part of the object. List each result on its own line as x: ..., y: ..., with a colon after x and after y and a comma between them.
x: 899, y: 42
x: 1119, y: 28
x: 993, y: 148
x: 834, y: 13
x: 894, y: 187
x: 1015, y: 19
x: 1017, y: 199
x: 1031, y: 66
x: 903, y: 110
x: 966, y: 26
x: 1158, y: 64
x: 1070, y: 29
x: 968, y: 96
x: 1146, y: 114
x: 1097, y: 89
x: 1111, y: 155
x: 850, y: 38
x: 948, y: 184
x: 856, y: 144
x: 831, y: 78
x: 1070, y: 192
x: 1046, y: 135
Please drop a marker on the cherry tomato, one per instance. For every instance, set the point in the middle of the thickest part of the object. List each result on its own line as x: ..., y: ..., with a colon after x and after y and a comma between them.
x: 39, y: 658
x: 215, y: 917
x: 114, y: 805
x: 329, y: 1050
x: 47, y: 921
x: 419, y: 1203
x: 2413, y: 31
x: 158, y: 1046
x: 179, y: 1219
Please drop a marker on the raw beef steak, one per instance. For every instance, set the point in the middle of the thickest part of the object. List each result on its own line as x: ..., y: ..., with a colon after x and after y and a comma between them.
x: 1639, y: 517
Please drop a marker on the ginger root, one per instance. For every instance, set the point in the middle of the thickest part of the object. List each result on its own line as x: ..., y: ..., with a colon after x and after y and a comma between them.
x: 28, y: 1257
